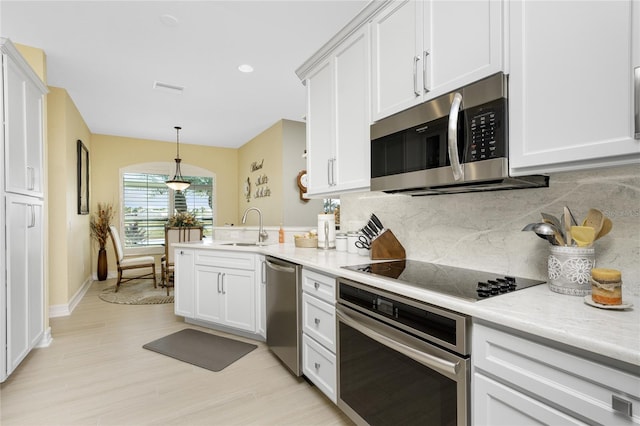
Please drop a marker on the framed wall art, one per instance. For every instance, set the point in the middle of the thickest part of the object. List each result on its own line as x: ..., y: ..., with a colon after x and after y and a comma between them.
x: 83, y: 178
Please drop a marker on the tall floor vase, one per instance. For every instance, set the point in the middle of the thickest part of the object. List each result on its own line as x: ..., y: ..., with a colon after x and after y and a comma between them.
x: 102, y: 264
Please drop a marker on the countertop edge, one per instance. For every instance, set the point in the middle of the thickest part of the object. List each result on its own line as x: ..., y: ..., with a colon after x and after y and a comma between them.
x: 563, y: 319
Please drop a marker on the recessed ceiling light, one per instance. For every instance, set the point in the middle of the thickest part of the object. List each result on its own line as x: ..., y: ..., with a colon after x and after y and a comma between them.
x: 245, y: 68
x: 169, y: 20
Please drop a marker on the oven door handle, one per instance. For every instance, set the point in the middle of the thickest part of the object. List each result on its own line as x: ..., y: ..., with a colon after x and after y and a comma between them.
x: 385, y: 338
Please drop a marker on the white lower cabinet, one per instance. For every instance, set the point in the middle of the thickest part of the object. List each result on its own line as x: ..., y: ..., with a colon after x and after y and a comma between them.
x: 319, y: 331
x: 217, y: 287
x: 184, y: 285
x: 518, y: 379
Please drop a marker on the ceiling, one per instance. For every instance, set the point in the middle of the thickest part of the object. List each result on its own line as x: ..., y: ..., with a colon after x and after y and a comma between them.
x: 108, y: 54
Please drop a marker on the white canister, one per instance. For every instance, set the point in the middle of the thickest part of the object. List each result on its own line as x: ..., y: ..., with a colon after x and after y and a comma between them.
x: 352, y: 237
x: 326, y: 231
x: 341, y: 241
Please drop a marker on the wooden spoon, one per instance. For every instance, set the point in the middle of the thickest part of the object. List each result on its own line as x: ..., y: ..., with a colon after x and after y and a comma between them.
x: 583, y: 235
x: 606, y: 227
x: 594, y: 219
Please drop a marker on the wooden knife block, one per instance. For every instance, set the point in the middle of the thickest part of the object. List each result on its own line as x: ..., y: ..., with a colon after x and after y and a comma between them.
x: 386, y: 246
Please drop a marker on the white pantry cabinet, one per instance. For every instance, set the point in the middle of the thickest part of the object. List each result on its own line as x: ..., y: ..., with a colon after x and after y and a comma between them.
x: 319, y: 331
x: 338, y: 118
x: 518, y: 378
x: 21, y: 209
x: 571, y: 85
x: 424, y: 49
x: 218, y: 288
x: 25, y: 277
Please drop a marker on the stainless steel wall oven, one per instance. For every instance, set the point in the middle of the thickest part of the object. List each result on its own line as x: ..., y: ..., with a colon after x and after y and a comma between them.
x: 401, y: 361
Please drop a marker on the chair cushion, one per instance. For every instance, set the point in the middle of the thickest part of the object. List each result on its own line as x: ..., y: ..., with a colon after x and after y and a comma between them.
x: 133, y: 261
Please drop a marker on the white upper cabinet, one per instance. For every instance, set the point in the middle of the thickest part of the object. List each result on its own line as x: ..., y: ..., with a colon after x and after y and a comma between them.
x: 424, y: 49
x: 397, y: 59
x: 23, y: 129
x: 571, y: 85
x: 338, y: 118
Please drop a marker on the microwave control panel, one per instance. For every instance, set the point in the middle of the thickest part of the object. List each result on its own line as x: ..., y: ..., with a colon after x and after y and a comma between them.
x: 487, y: 132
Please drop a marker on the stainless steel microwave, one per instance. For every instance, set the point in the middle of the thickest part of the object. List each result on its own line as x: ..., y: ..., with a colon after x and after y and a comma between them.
x: 457, y: 142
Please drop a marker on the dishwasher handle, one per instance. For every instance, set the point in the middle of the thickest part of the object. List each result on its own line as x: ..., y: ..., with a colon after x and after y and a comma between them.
x: 280, y: 268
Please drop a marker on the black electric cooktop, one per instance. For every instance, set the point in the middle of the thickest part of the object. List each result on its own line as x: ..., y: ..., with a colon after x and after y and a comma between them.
x: 459, y: 282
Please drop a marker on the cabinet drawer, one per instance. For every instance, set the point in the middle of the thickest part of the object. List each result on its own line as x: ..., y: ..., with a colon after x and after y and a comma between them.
x: 319, y: 321
x: 319, y: 365
x: 225, y: 259
x: 497, y: 404
x: 320, y: 285
x: 575, y: 385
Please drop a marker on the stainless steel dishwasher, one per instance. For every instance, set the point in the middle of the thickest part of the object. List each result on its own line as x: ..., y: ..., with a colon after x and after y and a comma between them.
x: 283, y: 311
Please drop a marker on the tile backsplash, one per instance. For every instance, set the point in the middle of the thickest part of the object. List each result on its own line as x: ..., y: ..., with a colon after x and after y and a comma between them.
x: 483, y: 230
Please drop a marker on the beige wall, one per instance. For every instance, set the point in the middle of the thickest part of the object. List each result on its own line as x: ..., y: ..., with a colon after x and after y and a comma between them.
x: 69, y: 241
x: 108, y: 154
x: 266, y: 148
x: 279, y: 149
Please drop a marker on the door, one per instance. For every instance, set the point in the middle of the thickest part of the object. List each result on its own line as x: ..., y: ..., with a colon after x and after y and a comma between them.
x: 208, y: 294
x: 184, y: 285
x: 25, y: 277
x: 238, y: 299
x: 352, y: 111
x: 464, y: 43
x: 320, y: 131
x: 23, y: 132
x: 571, y: 85
x: 397, y: 58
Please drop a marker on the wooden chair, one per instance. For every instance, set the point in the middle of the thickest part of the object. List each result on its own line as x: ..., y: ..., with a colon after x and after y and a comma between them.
x: 174, y: 235
x: 130, y: 263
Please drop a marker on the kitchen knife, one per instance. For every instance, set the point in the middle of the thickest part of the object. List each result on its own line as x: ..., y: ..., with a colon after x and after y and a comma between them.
x: 377, y: 222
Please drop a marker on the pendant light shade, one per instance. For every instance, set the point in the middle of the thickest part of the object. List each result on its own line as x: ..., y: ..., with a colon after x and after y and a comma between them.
x: 177, y: 183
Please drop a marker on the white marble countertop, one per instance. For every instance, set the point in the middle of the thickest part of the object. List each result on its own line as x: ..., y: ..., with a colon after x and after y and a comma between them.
x: 536, y: 310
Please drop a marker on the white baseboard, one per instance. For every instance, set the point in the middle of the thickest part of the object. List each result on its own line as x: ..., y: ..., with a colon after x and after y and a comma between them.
x: 66, y: 309
x: 46, y: 339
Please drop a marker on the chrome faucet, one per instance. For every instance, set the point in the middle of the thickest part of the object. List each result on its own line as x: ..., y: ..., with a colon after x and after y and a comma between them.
x: 262, y: 234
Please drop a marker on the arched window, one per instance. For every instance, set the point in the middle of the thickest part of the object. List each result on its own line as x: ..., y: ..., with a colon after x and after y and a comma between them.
x: 147, y: 203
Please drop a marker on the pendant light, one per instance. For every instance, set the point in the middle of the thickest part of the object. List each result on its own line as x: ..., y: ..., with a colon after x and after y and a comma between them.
x: 177, y: 183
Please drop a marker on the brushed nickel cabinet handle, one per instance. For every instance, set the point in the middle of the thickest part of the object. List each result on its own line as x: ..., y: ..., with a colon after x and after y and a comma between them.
x: 317, y: 365
x: 317, y: 321
x: 415, y: 75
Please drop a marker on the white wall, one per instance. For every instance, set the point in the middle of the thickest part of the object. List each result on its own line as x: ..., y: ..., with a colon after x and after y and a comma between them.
x: 483, y: 230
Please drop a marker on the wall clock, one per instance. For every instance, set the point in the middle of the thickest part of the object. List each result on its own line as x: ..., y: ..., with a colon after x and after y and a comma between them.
x: 302, y: 181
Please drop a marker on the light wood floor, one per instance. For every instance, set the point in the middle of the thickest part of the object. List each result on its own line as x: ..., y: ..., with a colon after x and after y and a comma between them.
x: 96, y: 373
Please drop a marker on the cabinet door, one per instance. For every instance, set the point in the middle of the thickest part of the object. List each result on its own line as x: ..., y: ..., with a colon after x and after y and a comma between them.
x: 495, y: 404
x: 571, y: 85
x: 320, y: 131
x: 184, y: 285
x: 238, y: 299
x: 208, y: 294
x: 23, y: 132
x: 397, y: 58
x: 463, y: 41
x: 25, y: 282
x: 352, y: 110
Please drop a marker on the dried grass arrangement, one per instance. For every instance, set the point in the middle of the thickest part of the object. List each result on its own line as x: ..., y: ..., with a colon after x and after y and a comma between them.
x: 100, y: 222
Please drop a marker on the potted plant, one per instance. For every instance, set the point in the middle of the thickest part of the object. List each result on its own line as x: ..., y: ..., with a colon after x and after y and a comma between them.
x: 183, y: 220
x: 99, y: 223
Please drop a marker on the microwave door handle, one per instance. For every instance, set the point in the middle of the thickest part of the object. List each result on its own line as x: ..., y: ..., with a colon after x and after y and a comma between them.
x: 453, y: 137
